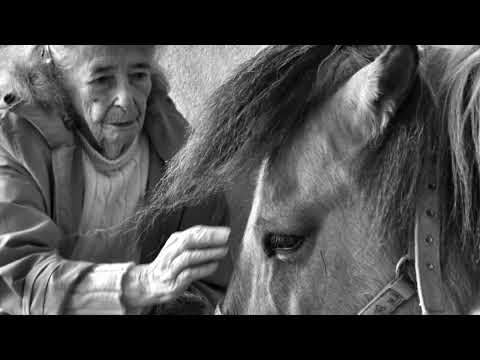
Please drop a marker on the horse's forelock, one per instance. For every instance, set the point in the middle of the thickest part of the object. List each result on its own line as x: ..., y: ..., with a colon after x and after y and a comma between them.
x: 252, y: 115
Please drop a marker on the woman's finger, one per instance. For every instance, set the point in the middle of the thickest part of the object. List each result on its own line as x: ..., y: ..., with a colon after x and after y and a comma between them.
x: 192, y: 258
x: 191, y: 274
x: 196, y: 238
x: 200, y: 237
x: 172, y: 240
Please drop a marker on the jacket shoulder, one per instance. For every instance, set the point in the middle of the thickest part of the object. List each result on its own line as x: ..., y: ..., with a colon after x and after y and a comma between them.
x: 25, y: 151
x: 19, y: 138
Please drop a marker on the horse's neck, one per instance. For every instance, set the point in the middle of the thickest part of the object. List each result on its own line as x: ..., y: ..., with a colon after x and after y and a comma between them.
x: 460, y: 291
x: 460, y: 284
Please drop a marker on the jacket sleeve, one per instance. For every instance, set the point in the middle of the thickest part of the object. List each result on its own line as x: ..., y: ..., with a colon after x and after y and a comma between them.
x: 34, y: 278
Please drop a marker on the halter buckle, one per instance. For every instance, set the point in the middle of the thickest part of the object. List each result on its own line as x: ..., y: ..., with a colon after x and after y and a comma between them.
x: 401, y: 266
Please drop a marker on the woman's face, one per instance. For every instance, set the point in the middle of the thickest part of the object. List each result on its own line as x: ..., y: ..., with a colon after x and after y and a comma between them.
x: 109, y: 86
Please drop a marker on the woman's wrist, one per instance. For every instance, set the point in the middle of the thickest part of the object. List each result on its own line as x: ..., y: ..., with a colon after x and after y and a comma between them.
x: 135, y: 291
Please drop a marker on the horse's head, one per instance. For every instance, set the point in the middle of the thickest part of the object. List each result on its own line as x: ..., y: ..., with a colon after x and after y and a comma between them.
x: 336, y: 140
x: 309, y: 245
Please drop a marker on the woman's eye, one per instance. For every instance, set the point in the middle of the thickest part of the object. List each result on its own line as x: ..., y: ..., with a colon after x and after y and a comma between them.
x: 102, y: 80
x: 282, y: 244
x: 140, y: 76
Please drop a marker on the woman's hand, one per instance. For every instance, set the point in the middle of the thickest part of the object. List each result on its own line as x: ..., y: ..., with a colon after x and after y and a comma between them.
x: 186, y: 257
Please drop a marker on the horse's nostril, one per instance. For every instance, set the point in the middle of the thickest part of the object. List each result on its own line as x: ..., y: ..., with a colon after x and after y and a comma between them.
x: 9, y: 99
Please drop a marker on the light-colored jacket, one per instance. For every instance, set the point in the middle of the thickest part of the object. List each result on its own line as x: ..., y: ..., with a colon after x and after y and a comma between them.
x: 41, y: 184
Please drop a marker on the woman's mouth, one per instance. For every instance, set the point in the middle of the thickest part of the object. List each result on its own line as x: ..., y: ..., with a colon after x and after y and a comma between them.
x: 121, y: 125
x: 124, y: 124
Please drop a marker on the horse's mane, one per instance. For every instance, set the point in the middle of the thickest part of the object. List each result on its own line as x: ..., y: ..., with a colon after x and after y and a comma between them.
x: 460, y: 92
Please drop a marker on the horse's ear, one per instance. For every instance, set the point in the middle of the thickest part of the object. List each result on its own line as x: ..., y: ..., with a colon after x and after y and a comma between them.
x: 379, y: 89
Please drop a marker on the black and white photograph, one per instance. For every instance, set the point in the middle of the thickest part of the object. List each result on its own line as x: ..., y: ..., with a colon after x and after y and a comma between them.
x: 193, y: 180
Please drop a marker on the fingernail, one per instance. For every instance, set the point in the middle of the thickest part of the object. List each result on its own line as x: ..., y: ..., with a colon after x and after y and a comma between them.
x: 224, y: 232
x: 227, y: 237
x: 226, y: 229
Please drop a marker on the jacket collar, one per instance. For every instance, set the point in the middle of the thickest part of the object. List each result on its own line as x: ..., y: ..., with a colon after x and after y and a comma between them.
x: 166, y: 128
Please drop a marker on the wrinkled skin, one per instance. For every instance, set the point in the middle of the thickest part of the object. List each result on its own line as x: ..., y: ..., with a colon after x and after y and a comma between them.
x: 109, y: 87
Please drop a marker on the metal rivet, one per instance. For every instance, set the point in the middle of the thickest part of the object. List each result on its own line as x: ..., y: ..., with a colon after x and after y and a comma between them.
x: 430, y: 213
x: 429, y: 240
x: 432, y: 186
x: 430, y: 267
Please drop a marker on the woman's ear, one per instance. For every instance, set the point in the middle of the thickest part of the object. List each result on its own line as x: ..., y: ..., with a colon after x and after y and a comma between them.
x: 379, y: 89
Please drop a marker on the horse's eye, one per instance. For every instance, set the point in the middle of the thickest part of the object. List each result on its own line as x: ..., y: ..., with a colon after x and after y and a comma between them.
x: 281, y: 244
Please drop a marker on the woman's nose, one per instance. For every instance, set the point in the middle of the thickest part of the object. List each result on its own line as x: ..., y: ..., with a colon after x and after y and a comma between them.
x: 124, y: 96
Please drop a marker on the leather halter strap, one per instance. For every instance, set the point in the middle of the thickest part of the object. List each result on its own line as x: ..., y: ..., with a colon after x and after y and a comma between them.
x: 427, y: 243
x: 390, y: 298
x: 424, y: 250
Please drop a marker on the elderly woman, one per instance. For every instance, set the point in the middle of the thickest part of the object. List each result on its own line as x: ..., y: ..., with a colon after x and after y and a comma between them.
x: 85, y: 132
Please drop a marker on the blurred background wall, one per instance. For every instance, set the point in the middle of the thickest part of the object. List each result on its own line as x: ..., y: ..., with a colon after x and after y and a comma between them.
x: 195, y: 71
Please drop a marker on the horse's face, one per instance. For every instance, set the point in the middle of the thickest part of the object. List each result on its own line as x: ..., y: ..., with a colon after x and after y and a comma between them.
x: 307, y: 246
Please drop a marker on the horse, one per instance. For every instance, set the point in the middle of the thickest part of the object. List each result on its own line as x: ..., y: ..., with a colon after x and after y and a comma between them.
x: 365, y: 166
